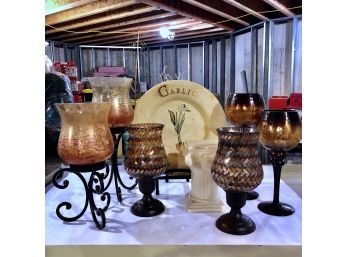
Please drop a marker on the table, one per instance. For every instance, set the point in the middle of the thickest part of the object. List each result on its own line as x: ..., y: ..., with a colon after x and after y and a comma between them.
x: 176, y: 228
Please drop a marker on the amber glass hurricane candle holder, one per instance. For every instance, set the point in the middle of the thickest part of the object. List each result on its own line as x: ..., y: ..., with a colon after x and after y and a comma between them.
x: 237, y: 170
x: 280, y: 131
x: 146, y: 159
x: 244, y: 110
x: 85, y: 137
x: 116, y: 91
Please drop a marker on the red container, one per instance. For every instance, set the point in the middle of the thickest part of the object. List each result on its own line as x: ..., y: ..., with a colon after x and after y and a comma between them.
x: 278, y: 102
x: 77, y: 97
x: 295, y: 101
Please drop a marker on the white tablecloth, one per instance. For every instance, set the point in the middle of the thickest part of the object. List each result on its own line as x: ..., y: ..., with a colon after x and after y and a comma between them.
x: 175, y: 226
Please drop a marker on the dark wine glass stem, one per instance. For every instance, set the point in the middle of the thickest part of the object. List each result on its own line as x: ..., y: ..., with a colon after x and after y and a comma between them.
x: 276, y: 172
x: 278, y: 160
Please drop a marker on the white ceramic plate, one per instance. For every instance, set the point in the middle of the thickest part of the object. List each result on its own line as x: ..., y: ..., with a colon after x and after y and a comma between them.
x: 205, y: 114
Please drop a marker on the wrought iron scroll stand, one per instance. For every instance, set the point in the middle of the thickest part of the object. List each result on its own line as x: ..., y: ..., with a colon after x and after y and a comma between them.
x: 95, y: 185
x: 114, y: 166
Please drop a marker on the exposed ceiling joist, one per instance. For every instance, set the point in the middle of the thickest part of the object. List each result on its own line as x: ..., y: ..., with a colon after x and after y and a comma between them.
x: 118, y: 21
x: 104, y: 18
x: 115, y: 37
x: 119, y: 24
x: 54, y: 6
x: 155, y: 36
x: 87, y: 10
x: 202, y: 36
x: 277, y: 5
x: 188, y: 10
x: 246, y: 9
x: 201, y: 4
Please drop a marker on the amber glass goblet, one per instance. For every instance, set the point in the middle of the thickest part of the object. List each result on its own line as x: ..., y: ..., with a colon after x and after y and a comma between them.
x: 244, y: 110
x: 280, y: 131
x: 146, y: 159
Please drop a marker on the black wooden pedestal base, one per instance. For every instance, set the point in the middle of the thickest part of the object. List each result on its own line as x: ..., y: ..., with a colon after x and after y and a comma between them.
x: 235, y: 222
x: 252, y: 195
x: 276, y: 209
x: 147, y: 206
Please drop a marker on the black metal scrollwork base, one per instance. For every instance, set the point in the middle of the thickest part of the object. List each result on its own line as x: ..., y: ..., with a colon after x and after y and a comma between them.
x: 95, y: 185
x: 114, y: 166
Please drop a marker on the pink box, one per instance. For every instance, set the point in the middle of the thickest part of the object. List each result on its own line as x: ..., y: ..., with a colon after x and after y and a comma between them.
x: 115, y: 69
x: 106, y: 74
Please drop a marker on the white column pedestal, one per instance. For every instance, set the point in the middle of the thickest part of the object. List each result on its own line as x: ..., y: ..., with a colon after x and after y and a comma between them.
x: 199, y: 157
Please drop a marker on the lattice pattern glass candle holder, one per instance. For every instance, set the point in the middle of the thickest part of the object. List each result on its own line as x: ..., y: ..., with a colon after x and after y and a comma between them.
x: 237, y: 170
x: 146, y: 159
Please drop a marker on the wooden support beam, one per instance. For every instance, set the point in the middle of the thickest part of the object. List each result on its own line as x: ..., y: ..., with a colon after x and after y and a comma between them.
x: 54, y: 6
x: 188, y: 10
x: 277, y: 5
x: 94, y: 20
x: 146, y: 25
x: 212, y: 6
x: 156, y: 36
x: 246, y: 9
x: 99, y: 38
x: 86, y: 10
x: 127, y: 22
x: 201, y: 36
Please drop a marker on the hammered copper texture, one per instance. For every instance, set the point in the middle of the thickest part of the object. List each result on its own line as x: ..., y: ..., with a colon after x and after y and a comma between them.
x: 237, y: 165
x: 145, y: 155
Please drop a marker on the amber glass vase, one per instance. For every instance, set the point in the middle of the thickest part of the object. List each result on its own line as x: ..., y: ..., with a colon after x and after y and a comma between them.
x: 146, y: 159
x: 280, y: 131
x: 237, y: 170
x: 85, y: 137
x: 244, y: 110
x: 116, y: 91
